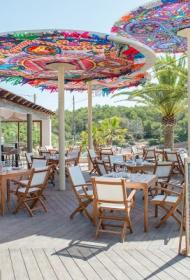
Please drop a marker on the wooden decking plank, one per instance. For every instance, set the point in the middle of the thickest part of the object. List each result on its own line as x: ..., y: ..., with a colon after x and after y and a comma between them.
x: 138, y: 267
x: 31, y: 265
x: 57, y: 265
x: 111, y: 266
x: 85, y: 267
x: 44, y: 265
x: 179, y: 263
x: 19, y: 268
x: 6, y: 268
x: 123, y: 265
x: 157, y: 268
x: 169, y: 265
x: 100, y: 269
x: 72, y: 268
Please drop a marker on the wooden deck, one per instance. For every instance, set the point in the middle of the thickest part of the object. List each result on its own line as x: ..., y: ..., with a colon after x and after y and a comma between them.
x: 51, y: 246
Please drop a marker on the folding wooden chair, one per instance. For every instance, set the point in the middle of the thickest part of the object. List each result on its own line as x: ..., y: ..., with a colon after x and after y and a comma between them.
x: 92, y: 157
x: 150, y: 155
x: 170, y: 201
x: 176, y: 159
x: 101, y: 167
x: 30, y: 192
x: 29, y: 159
x: 110, y: 195
x: 81, y: 190
x: 39, y: 163
x: 163, y: 171
x: 114, y: 162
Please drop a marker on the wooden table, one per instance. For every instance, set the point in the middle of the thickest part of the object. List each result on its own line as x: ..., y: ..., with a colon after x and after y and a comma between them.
x: 141, y: 182
x: 4, y: 176
x: 134, y: 167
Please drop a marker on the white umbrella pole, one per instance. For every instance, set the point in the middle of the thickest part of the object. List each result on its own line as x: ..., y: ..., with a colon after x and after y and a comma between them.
x: 90, y: 140
x: 61, y: 119
x: 186, y: 33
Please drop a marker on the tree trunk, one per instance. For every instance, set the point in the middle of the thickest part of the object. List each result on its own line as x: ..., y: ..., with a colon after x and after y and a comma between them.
x: 169, y: 137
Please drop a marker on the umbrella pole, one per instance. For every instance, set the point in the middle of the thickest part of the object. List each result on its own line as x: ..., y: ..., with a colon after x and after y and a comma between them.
x: 186, y: 33
x: 61, y: 119
x: 90, y: 140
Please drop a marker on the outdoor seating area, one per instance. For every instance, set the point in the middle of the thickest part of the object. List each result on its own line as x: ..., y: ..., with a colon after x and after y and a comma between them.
x: 95, y: 140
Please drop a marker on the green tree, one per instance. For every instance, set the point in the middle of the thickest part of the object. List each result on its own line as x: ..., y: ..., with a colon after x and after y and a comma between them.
x: 166, y: 93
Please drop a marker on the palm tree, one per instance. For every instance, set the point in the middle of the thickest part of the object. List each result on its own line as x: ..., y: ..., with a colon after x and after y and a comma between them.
x: 166, y: 94
x: 106, y: 132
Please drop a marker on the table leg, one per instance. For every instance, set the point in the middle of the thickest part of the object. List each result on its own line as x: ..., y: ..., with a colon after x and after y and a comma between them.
x: 3, y: 191
x: 145, y: 210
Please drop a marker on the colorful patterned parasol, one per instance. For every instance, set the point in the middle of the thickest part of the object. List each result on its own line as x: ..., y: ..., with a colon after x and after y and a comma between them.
x: 24, y: 57
x: 156, y: 24
x: 71, y: 59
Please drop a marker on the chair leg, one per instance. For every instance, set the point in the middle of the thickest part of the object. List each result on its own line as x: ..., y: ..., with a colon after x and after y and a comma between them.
x: 87, y: 214
x: 28, y: 209
x: 43, y: 205
x: 98, y: 227
x: 123, y: 232
x: 78, y: 209
x: 19, y: 203
x: 156, y: 211
x: 165, y: 218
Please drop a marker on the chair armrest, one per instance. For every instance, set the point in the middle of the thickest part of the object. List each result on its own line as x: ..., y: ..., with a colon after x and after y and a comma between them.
x: 167, y: 191
x: 131, y: 195
x: 17, y: 182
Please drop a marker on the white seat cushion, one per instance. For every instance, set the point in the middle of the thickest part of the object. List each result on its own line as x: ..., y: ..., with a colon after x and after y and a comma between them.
x: 34, y: 189
x: 112, y: 205
x: 169, y: 198
x: 25, y: 182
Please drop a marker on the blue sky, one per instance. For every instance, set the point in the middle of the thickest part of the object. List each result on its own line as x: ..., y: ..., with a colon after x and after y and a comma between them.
x: 98, y: 15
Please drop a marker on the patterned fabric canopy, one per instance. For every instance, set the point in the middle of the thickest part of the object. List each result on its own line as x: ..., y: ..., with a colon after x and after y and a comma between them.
x: 156, y: 24
x: 114, y: 61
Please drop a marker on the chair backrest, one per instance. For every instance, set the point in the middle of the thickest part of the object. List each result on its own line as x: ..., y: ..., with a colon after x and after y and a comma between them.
x: 92, y: 154
x: 29, y: 159
x: 76, y: 176
x: 149, y: 154
x: 115, y: 159
x: 134, y: 150
x: 39, y: 163
x: 40, y: 177
x: 109, y: 190
x: 101, y: 167
x: 171, y: 156
x: 163, y: 170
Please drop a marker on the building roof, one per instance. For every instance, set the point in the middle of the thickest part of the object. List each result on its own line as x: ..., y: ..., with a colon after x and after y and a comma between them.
x: 19, y: 100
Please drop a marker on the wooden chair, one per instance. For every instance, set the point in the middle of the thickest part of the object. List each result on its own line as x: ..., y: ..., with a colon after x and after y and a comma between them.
x: 176, y: 159
x: 38, y: 163
x: 163, y: 171
x: 105, y: 153
x: 30, y: 192
x: 170, y: 201
x: 101, y: 167
x: 111, y: 195
x: 150, y: 155
x: 81, y: 190
x: 116, y: 159
x: 29, y: 159
x: 92, y: 157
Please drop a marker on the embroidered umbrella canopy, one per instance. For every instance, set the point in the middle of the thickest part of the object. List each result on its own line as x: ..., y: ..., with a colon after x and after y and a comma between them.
x: 69, y: 58
x: 156, y: 24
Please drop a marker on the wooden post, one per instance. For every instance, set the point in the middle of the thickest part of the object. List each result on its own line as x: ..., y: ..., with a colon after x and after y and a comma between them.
x: 90, y: 138
x: 29, y: 133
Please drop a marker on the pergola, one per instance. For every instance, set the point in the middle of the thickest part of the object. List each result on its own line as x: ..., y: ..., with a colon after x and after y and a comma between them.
x: 14, y: 108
